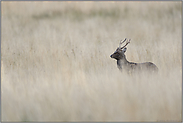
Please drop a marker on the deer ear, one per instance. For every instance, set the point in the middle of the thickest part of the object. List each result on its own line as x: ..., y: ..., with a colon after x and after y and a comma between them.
x: 124, y: 50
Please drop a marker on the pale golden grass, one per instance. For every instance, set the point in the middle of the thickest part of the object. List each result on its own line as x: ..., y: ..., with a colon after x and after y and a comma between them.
x: 56, y: 64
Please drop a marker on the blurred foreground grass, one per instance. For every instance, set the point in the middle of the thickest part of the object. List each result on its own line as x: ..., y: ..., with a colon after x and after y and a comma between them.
x: 56, y: 65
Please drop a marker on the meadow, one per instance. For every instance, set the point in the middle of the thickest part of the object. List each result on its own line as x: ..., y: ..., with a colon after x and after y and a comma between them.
x: 56, y: 65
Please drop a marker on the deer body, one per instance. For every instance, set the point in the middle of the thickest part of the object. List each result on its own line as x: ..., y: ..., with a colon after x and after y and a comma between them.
x: 131, y: 66
x: 124, y: 64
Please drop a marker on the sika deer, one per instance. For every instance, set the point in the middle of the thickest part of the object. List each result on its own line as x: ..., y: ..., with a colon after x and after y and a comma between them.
x: 124, y: 64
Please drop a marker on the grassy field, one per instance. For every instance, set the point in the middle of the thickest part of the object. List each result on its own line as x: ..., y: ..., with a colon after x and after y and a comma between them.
x: 56, y: 65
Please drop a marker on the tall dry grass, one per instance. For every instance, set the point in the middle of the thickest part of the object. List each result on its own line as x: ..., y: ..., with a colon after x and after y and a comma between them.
x: 56, y: 64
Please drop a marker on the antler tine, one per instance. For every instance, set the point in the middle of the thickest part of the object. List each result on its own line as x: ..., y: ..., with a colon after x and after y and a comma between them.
x: 128, y: 41
x: 121, y: 42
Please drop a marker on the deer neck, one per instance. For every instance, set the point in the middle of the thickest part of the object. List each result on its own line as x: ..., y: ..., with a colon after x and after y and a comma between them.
x: 122, y: 62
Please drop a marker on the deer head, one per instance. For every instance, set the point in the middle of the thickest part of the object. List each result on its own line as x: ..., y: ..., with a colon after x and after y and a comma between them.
x: 119, y: 53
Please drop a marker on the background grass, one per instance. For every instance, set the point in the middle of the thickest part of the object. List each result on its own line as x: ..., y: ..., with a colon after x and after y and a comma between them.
x: 56, y: 65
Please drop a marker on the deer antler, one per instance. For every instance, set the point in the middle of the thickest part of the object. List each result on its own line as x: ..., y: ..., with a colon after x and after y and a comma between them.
x: 128, y: 41
x: 121, y: 42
